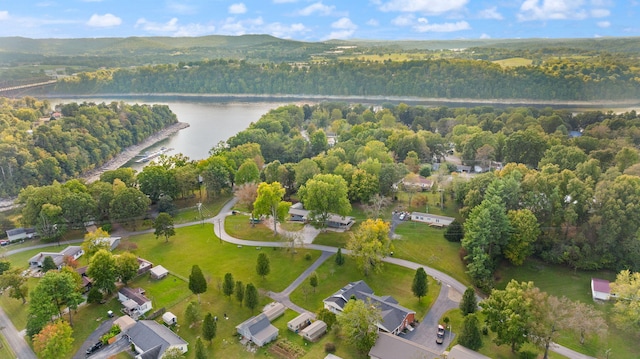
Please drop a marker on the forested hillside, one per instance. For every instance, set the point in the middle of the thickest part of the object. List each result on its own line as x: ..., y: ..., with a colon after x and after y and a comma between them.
x: 37, y: 148
x: 445, y: 78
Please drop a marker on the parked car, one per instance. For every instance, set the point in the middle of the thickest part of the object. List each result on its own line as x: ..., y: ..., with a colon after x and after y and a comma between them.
x: 440, y: 335
x: 94, y: 348
x: 402, y: 217
x: 4, y: 242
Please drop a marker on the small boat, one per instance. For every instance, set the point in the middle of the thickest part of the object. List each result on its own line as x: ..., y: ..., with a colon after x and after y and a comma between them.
x: 149, y: 156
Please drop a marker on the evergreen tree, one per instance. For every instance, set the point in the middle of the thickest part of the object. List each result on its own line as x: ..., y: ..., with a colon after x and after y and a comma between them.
x: 197, y: 283
x: 251, y: 298
x: 420, y: 284
x: 468, y: 305
x: 339, y: 257
x: 48, y: 264
x: 471, y: 336
x: 239, y: 291
x: 263, y: 267
x: 454, y: 232
x: 228, y: 285
x: 94, y: 295
x: 209, y: 328
x: 200, y: 350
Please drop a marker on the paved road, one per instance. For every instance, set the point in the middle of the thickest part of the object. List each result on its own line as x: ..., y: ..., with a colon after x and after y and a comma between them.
x: 15, y: 340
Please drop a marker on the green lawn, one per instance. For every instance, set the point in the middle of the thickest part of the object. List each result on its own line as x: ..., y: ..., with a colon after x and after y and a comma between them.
x: 514, y: 62
x: 5, y: 350
x: 393, y: 280
x: 238, y: 226
x: 190, y: 213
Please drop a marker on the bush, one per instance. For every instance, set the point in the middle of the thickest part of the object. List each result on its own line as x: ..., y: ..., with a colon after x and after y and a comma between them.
x: 330, y: 348
x: 107, y: 227
x: 485, y: 330
x: 425, y: 170
x: 527, y: 354
x: 94, y: 295
x: 307, y: 256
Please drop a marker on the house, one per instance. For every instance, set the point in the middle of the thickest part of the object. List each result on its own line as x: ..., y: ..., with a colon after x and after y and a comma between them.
x: 113, y: 242
x: 134, y: 301
x: 460, y: 352
x: 298, y: 214
x: 18, y: 234
x: 151, y: 339
x: 74, y: 252
x: 300, y: 322
x: 169, y: 318
x: 258, y: 330
x: 431, y: 219
x: 87, y: 283
x: 390, y: 346
x: 273, y: 310
x: 158, y: 272
x: 144, y: 266
x: 463, y: 168
x: 418, y: 182
x: 395, y: 318
x: 600, y: 289
x: 314, y: 331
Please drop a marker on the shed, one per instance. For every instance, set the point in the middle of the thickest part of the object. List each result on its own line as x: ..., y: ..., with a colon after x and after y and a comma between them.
x: 158, y: 272
x: 169, y: 319
x: 273, y: 310
x: 314, y: 331
x: 600, y: 289
x: 300, y: 322
x: 124, y: 323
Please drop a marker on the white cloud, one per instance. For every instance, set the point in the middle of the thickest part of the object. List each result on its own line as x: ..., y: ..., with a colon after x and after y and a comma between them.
x: 231, y: 26
x: 490, y: 13
x: 106, y: 20
x: 318, y: 8
x: 600, y: 12
x: 373, y: 22
x: 403, y: 20
x: 239, y: 8
x: 190, y: 30
x: 343, y: 28
x: 175, y: 7
x: 150, y: 26
x: 552, y: 10
x: 424, y: 26
x: 283, y: 1
x: 4, y: 15
x: 603, y: 24
x: 485, y: 36
x: 433, y: 7
x: 285, y: 31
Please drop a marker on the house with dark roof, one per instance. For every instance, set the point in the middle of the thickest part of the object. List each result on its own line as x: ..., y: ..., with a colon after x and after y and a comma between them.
x: 17, y: 234
x: 460, y: 352
x: 134, y: 301
x: 258, y: 330
x: 395, y: 318
x: 87, y: 283
x: 74, y: 252
x: 151, y: 339
x: 298, y: 214
x: 392, y: 346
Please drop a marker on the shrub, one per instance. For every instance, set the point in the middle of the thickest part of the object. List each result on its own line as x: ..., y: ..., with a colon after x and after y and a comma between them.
x: 94, y: 295
x: 527, y: 354
x: 307, y: 256
x: 330, y: 348
x: 485, y: 330
x: 107, y: 227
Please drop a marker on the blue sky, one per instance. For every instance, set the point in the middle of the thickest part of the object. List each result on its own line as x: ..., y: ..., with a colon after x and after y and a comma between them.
x: 318, y: 20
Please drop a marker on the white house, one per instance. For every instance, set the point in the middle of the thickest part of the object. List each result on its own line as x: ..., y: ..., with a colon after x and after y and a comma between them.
x: 151, y: 339
x: 600, y: 289
x: 273, y: 310
x: 159, y: 272
x: 17, y: 234
x: 431, y: 219
x: 258, y: 329
x: 300, y: 322
x: 314, y: 331
x: 134, y: 301
x: 74, y: 252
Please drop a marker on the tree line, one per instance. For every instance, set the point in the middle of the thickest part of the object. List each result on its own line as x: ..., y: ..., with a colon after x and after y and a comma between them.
x: 39, y: 147
x: 566, y: 79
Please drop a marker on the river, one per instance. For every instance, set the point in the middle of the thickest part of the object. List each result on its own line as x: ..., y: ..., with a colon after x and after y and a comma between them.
x: 209, y: 122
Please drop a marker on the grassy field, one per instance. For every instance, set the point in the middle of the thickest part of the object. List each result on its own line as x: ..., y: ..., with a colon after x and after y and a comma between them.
x: 5, y: 350
x: 188, y: 209
x: 238, y: 226
x: 514, y: 62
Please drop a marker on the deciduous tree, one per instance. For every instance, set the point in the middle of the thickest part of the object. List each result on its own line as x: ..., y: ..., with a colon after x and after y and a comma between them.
x: 370, y: 244
x: 95, y: 241
x: 358, y: 324
x: 251, y: 298
x: 269, y: 202
x: 313, y: 280
x: 263, y: 267
x: 163, y: 225
x: 54, y: 341
x: 524, y: 232
x: 127, y: 266
x: 13, y: 280
x: 325, y: 194
x: 54, y: 291
x: 102, y: 269
x: 627, y: 306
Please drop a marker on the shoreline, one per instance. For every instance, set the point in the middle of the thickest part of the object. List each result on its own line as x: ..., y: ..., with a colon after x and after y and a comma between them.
x: 131, y: 152
x: 116, y: 162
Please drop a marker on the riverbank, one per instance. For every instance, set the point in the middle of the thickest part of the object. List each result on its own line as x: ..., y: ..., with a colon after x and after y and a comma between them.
x: 132, y: 151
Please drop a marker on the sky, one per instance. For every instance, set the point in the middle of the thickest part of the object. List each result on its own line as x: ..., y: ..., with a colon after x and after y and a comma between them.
x: 320, y: 20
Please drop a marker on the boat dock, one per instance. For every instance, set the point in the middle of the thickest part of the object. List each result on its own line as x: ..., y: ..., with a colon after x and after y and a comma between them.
x: 149, y: 156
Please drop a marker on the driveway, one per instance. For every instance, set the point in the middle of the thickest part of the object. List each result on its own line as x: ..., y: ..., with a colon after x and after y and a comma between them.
x: 112, y: 349
x: 94, y: 337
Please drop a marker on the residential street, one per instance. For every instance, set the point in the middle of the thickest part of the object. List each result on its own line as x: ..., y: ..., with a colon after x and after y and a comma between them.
x: 15, y: 340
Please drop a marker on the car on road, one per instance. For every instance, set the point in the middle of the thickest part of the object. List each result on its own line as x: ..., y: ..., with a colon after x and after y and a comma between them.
x: 440, y: 335
x: 4, y: 242
x: 94, y: 348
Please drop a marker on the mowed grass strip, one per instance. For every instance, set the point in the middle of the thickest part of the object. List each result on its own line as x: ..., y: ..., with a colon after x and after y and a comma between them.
x: 238, y: 226
x: 393, y: 280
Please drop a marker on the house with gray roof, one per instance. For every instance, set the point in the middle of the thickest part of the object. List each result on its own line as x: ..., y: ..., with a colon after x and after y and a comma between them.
x: 151, y: 339
x: 74, y: 252
x: 297, y: 213
x: 134, y: 302
x: 17, y: 234
x: 392, y: 346
x: 258, y: 329
x: 395, y: 318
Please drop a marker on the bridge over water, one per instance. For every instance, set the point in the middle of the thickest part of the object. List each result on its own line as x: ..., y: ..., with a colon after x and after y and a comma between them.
x: 16, y: 88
